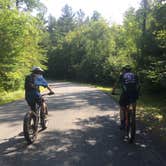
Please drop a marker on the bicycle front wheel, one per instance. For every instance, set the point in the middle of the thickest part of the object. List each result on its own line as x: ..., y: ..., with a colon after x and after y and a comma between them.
x: 30, y: 127
x: 43, y: 118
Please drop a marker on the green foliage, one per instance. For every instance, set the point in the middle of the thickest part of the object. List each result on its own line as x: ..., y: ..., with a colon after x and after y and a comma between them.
x: 19, y: 46
x: 92, y: 50
x: 7, y: 97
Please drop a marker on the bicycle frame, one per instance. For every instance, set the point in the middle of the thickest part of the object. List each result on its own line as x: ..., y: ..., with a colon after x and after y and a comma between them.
x: 129, y: 116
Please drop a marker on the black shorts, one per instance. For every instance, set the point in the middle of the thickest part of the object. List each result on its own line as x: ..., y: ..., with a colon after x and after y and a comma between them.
x: 127, y: 98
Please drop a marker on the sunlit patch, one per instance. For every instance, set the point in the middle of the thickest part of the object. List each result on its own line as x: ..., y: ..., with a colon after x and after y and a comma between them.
x: 138, y: 131
x: 91, y: 142
x: 141, y: 145
x: 64, y: 148
x: 159, y: 117
x: 104, y: 89
x: 94, y: 125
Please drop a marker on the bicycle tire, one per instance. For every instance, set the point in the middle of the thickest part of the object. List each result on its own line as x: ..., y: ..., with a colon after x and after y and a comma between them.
x: 43, y: 119
x: 131, y: 129
x: 27, y: 127
x: 133, y: 126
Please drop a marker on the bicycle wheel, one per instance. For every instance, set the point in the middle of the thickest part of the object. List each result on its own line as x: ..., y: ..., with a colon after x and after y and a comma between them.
x: 131, y: 129
x: 43, y: 118
x: 133, y: 126
x: 30, y: 127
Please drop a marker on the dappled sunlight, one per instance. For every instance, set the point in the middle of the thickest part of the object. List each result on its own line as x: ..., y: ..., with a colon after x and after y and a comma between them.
x: 83, y: 130
x: 82, y: 98
x: 97, y: 142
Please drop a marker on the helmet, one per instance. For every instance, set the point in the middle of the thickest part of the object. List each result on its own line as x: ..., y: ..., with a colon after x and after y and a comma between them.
x: 127, y: 67
x: 37, y: 69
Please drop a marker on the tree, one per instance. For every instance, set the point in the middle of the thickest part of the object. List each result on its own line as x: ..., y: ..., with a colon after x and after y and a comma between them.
x: 96, y: 16
x: 27, y: 5
x: 19, y: 47
x: 66, y: 21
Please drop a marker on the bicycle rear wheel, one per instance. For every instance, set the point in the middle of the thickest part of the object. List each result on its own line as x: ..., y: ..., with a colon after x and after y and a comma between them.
x: 131, y: 128
x: 30, y: 127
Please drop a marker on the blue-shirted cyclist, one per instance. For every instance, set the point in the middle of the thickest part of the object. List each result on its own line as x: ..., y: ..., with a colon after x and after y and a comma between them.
x: 32, y: 92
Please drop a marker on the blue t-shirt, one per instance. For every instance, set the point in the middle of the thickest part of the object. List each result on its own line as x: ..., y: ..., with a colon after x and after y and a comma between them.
x: 40, y: 81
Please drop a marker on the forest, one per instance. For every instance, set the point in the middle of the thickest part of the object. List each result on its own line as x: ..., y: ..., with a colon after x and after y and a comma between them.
x: 82, y: 48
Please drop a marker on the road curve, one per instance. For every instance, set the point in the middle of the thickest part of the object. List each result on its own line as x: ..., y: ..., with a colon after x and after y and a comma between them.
x: 83, y: 131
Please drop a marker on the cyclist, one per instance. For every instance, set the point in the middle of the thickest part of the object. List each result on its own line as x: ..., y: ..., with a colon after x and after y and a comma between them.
x: 32, y: 92
x: 129, y: 91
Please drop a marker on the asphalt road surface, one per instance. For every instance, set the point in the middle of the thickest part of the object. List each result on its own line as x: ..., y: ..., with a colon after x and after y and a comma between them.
x: 83, y: 131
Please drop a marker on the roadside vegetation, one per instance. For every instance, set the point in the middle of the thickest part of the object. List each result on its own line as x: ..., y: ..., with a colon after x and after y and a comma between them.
x: 6, y: 97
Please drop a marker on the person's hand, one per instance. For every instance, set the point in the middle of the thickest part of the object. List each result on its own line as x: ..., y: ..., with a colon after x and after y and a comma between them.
x: 51, y: 92
x: 113, y: 92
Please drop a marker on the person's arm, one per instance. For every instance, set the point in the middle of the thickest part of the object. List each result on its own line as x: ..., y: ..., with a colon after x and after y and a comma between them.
x: 51, y: 91
x: 115, y: 85
x: 113, y: 88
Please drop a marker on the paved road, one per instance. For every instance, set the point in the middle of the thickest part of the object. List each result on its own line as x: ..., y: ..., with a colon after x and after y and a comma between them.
x: 83, y: 131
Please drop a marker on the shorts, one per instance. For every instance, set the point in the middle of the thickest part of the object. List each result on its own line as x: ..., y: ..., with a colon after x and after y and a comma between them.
x: 127, y: 98
x: 32, y: 98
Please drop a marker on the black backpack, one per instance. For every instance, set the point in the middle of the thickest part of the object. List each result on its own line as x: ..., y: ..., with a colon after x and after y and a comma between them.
x: 130, y: 81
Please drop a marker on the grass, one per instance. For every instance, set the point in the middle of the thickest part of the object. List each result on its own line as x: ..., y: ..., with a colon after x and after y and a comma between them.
x: 151, y: 111
x: 6, y: 97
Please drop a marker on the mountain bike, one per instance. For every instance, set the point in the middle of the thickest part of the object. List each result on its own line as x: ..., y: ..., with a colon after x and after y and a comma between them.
x: 130, y: 124
x: 129, y: 127
x: 33, y: 120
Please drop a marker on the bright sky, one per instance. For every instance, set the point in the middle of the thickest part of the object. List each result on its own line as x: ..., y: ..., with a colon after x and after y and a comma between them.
x: 112, y: 10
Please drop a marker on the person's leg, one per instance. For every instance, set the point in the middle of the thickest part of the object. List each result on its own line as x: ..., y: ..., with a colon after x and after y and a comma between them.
x: 30, y: 98
x: 122, y: 117
x: 43, y: 106
x: 121, y: 103
x: 40, y: 101
x: 121, y: 114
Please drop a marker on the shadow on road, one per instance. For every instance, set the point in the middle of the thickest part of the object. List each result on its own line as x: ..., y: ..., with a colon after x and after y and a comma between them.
x: 13, y: 112
x: 97, y: 143
x: 82, y: 99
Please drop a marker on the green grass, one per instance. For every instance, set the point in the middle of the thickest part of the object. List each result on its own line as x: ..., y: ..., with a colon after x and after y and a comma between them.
x: 6, y: 97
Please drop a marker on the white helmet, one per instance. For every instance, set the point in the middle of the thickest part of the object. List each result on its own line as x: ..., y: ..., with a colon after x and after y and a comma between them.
x: 36, y: 68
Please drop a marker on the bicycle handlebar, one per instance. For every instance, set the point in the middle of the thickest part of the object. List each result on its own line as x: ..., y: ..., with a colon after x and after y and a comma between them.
x: 49, y: 94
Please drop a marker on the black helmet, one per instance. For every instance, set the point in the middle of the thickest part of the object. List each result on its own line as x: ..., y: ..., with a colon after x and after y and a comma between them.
x: 127, y: 68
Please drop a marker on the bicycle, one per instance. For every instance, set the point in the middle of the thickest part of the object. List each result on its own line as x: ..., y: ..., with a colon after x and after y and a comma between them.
x: 129, y: 122
x: 33, y: 119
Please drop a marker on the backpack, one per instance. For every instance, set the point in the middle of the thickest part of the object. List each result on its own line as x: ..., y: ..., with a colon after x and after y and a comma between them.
x: 130, y: 81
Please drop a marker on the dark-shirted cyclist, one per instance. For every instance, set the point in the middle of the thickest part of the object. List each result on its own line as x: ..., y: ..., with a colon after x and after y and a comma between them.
x: 32, y: 92
x: 129, y: 91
